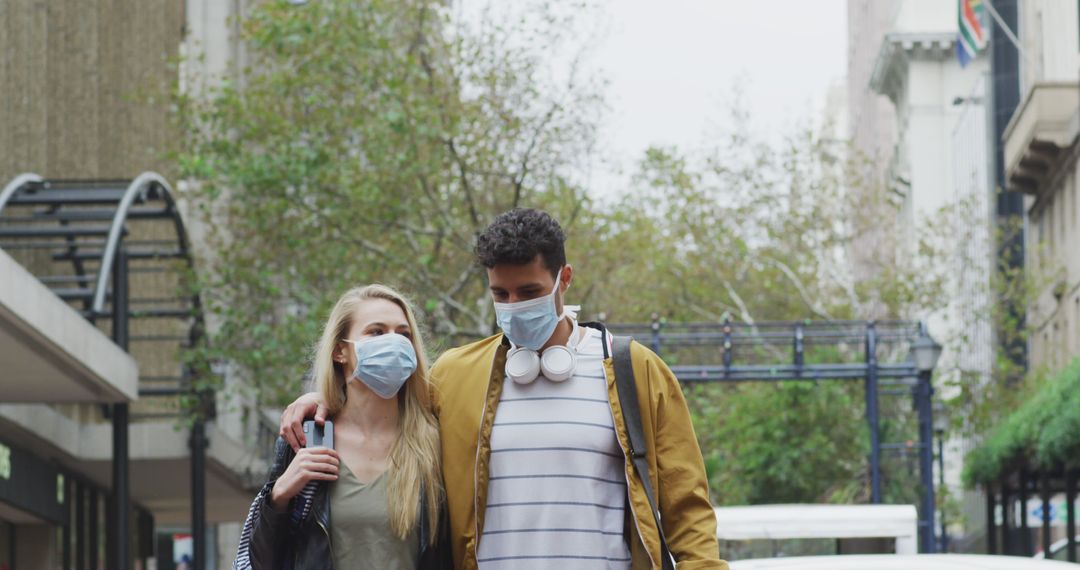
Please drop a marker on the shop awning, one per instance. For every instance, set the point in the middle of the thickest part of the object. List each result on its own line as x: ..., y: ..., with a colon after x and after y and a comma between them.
x: 49, y: 353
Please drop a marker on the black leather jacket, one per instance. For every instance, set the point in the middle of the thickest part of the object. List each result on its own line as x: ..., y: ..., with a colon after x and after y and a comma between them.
x: 299, y: 538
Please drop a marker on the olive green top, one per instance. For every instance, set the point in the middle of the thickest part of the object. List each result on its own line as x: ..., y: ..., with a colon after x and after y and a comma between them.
x: 360, y: 533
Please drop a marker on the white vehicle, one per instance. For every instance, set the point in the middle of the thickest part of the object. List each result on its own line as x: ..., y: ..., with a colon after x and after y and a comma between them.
x: 902, y: 562
x: 895, y: 527
x: 1057, y: 549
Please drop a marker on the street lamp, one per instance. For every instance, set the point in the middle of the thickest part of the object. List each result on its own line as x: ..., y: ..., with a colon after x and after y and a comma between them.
x: 940, y: 425
x: 925, y: 352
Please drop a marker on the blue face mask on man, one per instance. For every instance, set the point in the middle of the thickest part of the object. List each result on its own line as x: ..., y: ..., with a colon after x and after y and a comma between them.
x: 384, y: 363
x: 529, y: 323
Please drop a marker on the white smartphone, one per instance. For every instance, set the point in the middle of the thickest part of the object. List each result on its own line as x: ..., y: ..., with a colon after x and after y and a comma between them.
x: 319, y: 436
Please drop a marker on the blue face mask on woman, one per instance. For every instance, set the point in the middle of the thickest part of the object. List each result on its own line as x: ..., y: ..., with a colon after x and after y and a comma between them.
x: 529, y: 323
x: 384, y: 363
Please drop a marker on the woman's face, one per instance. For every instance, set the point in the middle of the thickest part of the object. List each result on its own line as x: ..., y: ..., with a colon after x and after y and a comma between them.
x: 373, y: 317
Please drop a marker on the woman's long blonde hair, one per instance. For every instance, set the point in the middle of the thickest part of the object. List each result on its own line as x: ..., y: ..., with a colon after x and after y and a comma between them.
x: 415, y: 456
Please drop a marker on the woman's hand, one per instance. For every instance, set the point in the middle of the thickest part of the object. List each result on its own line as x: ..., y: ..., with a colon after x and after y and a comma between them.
x: 310, y: 464
x: 292, y: 419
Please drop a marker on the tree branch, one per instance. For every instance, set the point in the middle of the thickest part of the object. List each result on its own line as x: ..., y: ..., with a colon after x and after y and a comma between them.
x: 810, y: 304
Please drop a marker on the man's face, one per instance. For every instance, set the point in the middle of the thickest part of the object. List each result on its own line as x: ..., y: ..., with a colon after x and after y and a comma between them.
x: 515, y: 283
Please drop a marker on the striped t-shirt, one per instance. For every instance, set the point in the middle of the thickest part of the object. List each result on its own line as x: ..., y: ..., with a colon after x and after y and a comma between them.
x: 557, y: 489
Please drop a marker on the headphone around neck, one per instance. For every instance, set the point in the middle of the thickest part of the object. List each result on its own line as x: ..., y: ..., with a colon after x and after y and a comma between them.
x: 556, y: 363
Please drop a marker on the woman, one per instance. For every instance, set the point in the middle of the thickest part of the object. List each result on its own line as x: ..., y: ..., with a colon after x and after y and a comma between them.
x: 381, y: 482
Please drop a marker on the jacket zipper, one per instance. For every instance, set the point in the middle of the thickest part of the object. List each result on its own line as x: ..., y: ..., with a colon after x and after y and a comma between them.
x: 328, y: 540
x: 626, y: 474
x: 476, y: 464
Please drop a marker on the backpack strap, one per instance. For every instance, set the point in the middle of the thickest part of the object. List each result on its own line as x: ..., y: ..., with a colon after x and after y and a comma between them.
x: 626, y: 386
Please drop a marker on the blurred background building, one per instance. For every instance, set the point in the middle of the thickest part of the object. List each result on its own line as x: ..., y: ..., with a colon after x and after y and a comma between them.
x: 1039, y: 161
x: 996, y: 139
x: 86, y: 94
x: 920, y: 120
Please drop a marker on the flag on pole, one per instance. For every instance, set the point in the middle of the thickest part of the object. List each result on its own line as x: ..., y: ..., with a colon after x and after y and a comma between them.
x: 972, y: 37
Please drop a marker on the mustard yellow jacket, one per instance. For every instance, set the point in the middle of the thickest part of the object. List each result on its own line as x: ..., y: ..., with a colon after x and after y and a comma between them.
x: 466, y: 385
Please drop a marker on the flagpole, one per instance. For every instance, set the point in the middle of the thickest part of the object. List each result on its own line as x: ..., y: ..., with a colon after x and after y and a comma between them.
x: 1009, y: 33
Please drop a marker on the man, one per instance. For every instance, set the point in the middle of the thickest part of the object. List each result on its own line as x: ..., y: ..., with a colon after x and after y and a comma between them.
x: 535, y: 448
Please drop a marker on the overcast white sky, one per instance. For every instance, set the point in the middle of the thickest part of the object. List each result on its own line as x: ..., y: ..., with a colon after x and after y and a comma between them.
x: 673, y: 66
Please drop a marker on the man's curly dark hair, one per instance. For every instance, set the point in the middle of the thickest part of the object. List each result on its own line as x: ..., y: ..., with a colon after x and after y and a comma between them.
x: 518, y: 236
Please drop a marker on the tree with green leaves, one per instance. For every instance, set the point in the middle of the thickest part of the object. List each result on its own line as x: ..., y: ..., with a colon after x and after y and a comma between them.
x: 370, y: 141
x: 753, y: 233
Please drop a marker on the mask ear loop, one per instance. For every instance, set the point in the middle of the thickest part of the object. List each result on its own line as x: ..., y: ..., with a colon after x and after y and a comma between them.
x: 355, y: 346
x: 351, y: 376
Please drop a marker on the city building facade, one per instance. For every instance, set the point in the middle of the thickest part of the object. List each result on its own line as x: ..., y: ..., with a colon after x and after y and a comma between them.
x: 1040, y: 161
x: 86, y: 106
x: 924, y: 118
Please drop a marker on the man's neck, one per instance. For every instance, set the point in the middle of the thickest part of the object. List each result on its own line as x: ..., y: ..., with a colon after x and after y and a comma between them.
x: 561, y: 336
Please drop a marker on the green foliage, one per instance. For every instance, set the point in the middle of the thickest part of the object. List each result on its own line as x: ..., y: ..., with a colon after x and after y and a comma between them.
x: 371, y: 140
x: 1043, y: 432
x: 746, y: 230
x: 786, y: 443
x: 756, y: 233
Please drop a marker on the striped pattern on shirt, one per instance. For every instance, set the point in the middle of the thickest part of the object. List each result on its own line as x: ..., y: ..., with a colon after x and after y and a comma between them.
x: 557, y: 488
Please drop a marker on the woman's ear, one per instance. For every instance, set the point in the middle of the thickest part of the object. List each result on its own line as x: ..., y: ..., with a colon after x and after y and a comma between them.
x: 341, y: 352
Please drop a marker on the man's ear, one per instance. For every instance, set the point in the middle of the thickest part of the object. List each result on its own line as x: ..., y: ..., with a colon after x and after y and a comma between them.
x: 566, y: 277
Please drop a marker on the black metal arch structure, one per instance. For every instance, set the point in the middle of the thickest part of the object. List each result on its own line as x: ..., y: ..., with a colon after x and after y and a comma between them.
x: 745, y: 352
x: 115, y: 250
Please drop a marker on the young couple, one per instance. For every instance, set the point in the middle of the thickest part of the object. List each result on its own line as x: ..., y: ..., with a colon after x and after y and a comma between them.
x: 512, y: 452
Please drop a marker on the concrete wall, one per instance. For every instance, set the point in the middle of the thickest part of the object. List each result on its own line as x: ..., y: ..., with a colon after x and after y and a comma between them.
x: 212, y: 49
x: 1054, y: 231
x: 36, y: 547
x: 870, y: 115
x: 924, y: 16
x: 871, y: 127
x: 83, y: 86
x: 1049, y: 32
x: 929, y: 119
x: 228, y: 539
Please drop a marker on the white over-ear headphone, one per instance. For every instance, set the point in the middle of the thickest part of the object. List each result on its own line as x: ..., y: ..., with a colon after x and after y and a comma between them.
x: 557, y: 363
